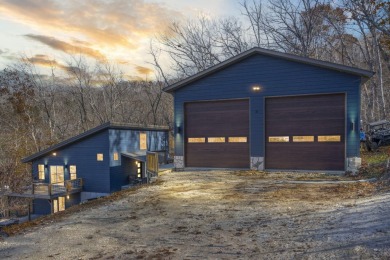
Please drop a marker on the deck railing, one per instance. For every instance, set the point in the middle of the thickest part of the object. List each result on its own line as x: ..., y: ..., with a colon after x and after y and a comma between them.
x: 67, y: 186
x: 152, y: 162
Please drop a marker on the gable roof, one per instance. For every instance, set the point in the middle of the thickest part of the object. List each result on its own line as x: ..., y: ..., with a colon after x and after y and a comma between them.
x: 92, y: 131
x: 365, y: 74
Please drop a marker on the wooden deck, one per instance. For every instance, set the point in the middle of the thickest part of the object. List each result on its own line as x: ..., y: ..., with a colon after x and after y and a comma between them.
x: 51, y: 190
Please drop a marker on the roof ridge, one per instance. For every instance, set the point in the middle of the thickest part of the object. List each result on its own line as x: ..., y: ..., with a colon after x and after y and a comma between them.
x: 106, y: 125
x: 262, y: 51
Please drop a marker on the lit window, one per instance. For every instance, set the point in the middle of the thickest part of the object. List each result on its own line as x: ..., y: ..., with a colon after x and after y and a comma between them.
x: 116, y: 156
x: 139, y: 169
x: 41, y: 171
x: 142, y: 141
x: 302, y: 139
x: 329, y: 138
x: 99, y: 157
x: 56, y: 174
x: 238, y: 139
x: 216, y: 139
x: 278, y: 139
x: 196, y: 140
x: 72, y: 172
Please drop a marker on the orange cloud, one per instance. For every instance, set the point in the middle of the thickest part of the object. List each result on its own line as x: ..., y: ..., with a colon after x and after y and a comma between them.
x: 104, y: 23
x: 42, y: 60
x: 143, y: 70
x: 45, y: 61
x: 66, y: 47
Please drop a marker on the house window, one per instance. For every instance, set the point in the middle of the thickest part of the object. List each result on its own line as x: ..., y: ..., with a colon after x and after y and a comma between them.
x: 139, y: 169
x: 278, y: 139
x: 116, y: 156
x: 216, y: 139
x: 72, y: 172
x: 301, y: 139
x: 142, y: 141
x: 41, y: 171
x: 238, y: 139
x: 99, y: 157
x: 196, y: 140
x: 329, y: 138
x: 56, y: 174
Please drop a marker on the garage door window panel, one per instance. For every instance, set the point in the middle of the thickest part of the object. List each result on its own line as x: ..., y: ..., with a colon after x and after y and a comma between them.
x: 279, y: 139
x: 196, y: 140
x: 237, y: 139
x: 303, y: 139
x: 216, y: 139
x: 329, y: 138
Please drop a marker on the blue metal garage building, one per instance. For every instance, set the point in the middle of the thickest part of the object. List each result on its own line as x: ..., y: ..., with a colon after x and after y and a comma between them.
x: 265, y: 109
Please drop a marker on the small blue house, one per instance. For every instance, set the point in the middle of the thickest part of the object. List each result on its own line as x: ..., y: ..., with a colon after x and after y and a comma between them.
x: 264, y: 109
x: 90, y: 165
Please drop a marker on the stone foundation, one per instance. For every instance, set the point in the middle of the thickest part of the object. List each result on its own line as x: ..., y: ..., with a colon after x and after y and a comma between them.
x: 178, y: 162
x: 257, y: 163
x: 353, y: 164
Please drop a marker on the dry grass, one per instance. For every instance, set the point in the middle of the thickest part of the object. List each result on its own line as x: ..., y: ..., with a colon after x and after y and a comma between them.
x: 218, y: 215
x: 49, y: 219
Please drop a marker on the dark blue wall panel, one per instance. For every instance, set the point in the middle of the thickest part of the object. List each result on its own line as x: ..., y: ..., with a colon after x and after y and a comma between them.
x: 41, y: 207
x: 83, y: 154
x: 277, y: 77
x: 74, y: 199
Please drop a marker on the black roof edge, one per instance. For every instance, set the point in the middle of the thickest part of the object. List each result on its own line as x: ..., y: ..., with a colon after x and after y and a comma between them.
x: 107, y: 125
x: 366, y: 74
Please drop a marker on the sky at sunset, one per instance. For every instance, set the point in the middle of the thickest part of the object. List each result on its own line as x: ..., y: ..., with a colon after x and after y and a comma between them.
x: 49, y: 31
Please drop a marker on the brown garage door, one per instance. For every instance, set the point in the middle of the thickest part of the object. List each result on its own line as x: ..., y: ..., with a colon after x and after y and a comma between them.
x: 305, y: 132
x: 217, y: 134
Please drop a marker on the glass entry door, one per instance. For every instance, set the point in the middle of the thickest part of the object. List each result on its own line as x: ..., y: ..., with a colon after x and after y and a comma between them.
x: 58, y: 204
x: 56, y: 174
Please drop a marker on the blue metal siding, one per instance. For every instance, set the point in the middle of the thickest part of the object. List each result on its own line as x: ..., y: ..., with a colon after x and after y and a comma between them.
x: 74, y: 199
x: 95, y: 173
x: 41, y: 207
x: 277, y: 77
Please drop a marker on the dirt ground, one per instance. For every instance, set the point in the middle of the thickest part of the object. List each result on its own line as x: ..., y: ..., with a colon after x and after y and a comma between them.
x: 219, y: 215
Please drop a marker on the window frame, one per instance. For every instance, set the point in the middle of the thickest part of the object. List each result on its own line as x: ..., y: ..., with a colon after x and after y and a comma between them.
x: 59, y: 175
x: 143, y: 141
x: 41, y: 172
x: 278, y: 138
x: 238, y: 138
x: 72, y: 174
x: 328, y: 141
x: 217, y: 139
x: 100, y: 157
x: 298, y: 140
x: 115, y: 156
x: 196, y: 140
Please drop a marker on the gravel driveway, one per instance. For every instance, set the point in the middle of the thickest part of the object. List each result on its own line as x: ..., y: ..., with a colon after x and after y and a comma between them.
x: 220, y: 215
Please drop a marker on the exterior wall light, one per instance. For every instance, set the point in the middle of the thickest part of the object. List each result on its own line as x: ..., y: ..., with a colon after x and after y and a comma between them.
x: 54, y: 154
x: 353, y: 126
x: 178, y: 130
x: 256, y: 88
x: 67, y: 197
